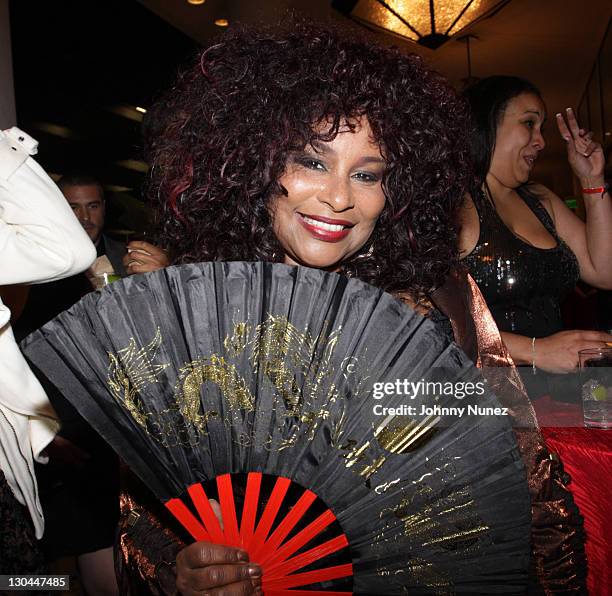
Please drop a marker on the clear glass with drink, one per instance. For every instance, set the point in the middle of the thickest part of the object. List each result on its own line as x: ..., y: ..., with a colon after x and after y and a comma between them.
x: 596, y: 369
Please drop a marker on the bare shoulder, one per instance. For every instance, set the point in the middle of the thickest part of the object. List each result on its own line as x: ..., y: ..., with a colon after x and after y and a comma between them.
x: 546, y: 196
x: 565, y: 220
x: 541, y: 192
x: 469, y: 226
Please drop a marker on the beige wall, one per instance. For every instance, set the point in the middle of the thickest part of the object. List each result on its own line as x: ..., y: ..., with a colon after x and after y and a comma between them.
x: 7, y: 93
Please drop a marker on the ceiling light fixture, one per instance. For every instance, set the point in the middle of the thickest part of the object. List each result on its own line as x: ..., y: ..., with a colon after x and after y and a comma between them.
x: 196, y: 2
x: 222, y: 22
x: 141, y: 110
x: 429, y: 23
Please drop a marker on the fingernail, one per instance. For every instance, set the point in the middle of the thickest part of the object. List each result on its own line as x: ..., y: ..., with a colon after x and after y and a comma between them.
x: 254, y: 571
x: 568, y: 109
x: 558, y: 115
x: 243, y: 555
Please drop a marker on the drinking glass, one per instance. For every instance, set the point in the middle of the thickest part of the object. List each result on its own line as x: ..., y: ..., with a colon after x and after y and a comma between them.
x: 596, y: 369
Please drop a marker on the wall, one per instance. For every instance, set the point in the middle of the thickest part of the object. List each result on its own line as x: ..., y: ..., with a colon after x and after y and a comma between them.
x: 7, y: 93
x: 595, y: 107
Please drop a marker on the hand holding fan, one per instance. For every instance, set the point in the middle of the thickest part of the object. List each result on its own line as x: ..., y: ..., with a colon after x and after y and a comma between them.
x: 220, y: 379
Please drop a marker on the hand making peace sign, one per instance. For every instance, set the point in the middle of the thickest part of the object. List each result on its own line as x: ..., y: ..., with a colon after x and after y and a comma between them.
x: 585, y: 156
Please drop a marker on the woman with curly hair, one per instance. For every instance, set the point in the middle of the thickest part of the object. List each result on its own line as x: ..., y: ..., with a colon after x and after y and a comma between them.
x: 308, y: 147
x: 257, y: 101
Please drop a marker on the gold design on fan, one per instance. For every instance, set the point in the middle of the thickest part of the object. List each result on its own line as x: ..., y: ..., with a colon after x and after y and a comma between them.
x: 423, y: 573
x: 214, y: 370
x: 447, y: 520
x: 236, y: 343
x: 129, y: 370
x: 285, y: 355
x: 298, y: 366
x: 431, y: 518
x: 402, y: 434
x: 458, y: 507
x: 395, y: 434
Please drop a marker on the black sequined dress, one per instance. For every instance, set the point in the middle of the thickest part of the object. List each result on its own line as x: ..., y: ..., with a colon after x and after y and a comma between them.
x: 523, y: 285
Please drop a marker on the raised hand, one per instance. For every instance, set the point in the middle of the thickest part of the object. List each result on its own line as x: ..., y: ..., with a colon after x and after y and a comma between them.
x: 585, y: 156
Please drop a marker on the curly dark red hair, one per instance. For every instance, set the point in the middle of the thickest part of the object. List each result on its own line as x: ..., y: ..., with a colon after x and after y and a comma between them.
x: 219, y: 139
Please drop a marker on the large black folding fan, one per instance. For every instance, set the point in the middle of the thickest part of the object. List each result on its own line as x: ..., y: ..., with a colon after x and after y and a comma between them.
x: 252, y: 383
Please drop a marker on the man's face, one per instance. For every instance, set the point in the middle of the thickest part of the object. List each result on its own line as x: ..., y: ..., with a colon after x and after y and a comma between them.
x: 87, y: 202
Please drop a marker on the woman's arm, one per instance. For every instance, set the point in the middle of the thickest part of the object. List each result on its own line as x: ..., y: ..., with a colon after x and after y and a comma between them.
x: 555, y: 353
x: 590, y: 242
x: 40, y: 238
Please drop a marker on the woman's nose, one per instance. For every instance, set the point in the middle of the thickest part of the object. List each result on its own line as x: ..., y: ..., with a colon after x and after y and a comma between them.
x: 538, y: 140
x: 337, y: 194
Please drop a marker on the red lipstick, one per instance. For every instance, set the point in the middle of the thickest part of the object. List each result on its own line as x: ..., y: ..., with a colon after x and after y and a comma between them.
x: 323, y: 230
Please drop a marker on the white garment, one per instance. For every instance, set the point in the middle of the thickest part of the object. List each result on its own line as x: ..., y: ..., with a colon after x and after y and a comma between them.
x: 40, y: 240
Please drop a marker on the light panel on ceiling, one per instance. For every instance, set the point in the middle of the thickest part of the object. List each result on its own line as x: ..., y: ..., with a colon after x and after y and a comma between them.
x: 427, y: 22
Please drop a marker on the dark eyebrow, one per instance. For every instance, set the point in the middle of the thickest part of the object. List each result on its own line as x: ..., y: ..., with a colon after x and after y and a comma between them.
x: 322, y: 147
x: 372, y: 159
x: 537, y: 113
x: 327, y: 150
x: 71, y: 203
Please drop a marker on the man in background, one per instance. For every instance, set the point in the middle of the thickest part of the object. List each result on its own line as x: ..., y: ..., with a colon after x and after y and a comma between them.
x: 85, y: 195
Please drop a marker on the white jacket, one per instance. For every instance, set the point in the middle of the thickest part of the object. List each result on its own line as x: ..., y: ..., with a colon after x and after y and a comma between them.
x: 40, y: 240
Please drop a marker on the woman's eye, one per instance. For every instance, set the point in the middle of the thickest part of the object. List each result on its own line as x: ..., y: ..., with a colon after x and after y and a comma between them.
x: 366, y: 177
x: 310, y: 163
x: 530, y: 123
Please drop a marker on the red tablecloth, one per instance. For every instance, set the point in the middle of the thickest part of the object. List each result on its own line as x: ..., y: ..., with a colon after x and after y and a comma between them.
x: 587, y: 457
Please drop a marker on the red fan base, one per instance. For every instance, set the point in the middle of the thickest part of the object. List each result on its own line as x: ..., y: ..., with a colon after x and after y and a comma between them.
x: 276, y: 557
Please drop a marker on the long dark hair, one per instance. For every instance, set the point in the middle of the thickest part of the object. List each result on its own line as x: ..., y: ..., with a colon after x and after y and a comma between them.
x: 218, y: 142
x: 488, y: 99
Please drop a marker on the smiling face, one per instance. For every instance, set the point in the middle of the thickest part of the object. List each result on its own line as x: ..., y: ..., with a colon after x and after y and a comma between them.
x: 518, y: 140
x: 334, y: 198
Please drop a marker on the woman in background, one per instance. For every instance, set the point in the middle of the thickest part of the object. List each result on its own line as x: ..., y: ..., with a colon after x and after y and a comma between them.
x: 523, y: 246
